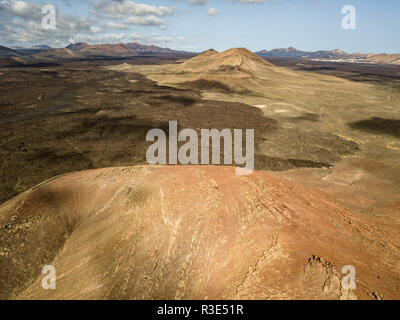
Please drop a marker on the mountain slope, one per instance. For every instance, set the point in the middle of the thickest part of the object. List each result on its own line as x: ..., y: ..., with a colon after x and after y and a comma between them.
x: 140, y: 48
x: 290, y: 52
x: 120, y: 233
x: 56, y: 54
x: 107, y: 50
x: 331, y: 54
x: 42, y: 47
x: 236, y: 59
x: 7, y: 52
x: 77, y: 46
x: 384, y: 58
x: 295, y: 53
x: 235, y: 70
x: 127, y: 49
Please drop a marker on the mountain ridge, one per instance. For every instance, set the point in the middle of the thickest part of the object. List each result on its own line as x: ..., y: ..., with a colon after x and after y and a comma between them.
x: 134, y: 48
x: 292, y: 52
x: 6, y: 52
x: 77, y: 46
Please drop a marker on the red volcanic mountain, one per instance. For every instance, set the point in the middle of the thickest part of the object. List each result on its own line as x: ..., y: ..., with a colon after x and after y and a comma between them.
x: 190, y: 232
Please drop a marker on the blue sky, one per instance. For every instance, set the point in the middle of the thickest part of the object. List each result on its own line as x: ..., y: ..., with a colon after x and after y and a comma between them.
x: 196, y: 25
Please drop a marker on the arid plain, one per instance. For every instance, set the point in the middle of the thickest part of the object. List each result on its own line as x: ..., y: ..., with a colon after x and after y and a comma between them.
x: 325, y: 194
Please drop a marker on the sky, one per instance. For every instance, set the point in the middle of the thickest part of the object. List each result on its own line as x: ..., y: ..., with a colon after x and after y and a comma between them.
x: 197, y: 25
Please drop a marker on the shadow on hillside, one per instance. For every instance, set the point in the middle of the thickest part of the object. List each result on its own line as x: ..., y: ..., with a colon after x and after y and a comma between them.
x: 378, y: 125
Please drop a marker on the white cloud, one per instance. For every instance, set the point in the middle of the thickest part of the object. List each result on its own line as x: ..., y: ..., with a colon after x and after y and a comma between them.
x: 198, y: 1
x: 133, y: 14
x: 96, y: 29
x: 19, y: 8
x: 145, y: 21
x: 22, y: 23
x: 126, y: 37
x: 117, y: 26
x: 212, y: 11
x: 124, y: 9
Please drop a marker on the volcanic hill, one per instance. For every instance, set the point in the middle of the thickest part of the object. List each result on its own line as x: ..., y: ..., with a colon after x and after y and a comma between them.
x: 189, y: 232
x: 236, y: 70
x: 236, y: 59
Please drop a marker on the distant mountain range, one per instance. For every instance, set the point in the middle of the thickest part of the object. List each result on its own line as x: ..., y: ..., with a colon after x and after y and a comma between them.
x: 39, y: 47
x: 128, y: 49
x: 77, y: 46
x: 82, y: 50
x: 295, y: 53
x: 139, y: 48
x: 8, y: 52
x: 336, y: 54
x: 18, y: 55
